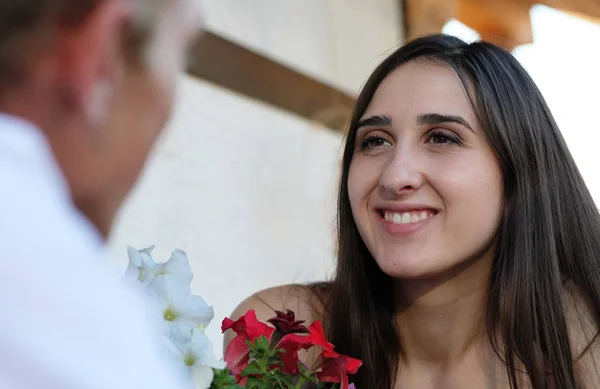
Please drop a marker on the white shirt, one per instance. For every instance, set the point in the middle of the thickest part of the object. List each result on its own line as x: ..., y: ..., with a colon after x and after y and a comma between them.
x: 66, y: 319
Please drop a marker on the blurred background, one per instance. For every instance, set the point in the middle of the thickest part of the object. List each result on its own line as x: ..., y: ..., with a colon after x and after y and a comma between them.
x: 244, y: 179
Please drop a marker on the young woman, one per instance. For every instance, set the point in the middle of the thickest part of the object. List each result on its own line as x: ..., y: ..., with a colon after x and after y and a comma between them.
x: 469, y: 245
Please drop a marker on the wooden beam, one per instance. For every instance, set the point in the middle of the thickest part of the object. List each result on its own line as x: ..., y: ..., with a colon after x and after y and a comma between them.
x: 425, y: 17
x: 505, y: 23
x: 244, y: 71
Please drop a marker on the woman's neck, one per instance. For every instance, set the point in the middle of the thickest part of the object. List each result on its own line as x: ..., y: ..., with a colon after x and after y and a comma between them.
x: 442, y: 320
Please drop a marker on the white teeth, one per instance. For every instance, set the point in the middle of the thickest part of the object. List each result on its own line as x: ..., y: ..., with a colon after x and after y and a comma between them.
x: 406, y: 217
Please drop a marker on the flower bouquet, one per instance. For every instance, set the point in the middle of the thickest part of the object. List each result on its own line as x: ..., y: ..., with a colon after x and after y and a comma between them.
x: 260, y: 356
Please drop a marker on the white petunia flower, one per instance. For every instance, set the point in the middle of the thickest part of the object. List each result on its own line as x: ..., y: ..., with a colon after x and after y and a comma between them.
x: 194, y: 352
x: 143, y: 268
x: 177, y: 267
x: 183, y: 315
x: 203, y: 376
x: 198, y: 355
x: 180, y: 310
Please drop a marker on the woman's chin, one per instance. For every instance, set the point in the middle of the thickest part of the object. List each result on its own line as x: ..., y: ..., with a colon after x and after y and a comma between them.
x: 402, y: 269
x: 411, y: 267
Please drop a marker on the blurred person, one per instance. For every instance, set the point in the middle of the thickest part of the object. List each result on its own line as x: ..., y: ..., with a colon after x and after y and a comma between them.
x: 85, y: 88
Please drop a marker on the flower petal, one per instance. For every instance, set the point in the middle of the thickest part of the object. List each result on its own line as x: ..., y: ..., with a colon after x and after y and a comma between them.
x: 202, y: 376
x: 256, y: 329
x: 317, y: 337
x: 236, y: 355
x: 286, y: 323
x: 336, y: 370
x: 193, y: 310
x: 247, y: 328
x: 292, y: 343
x: 141, y: 265
x: 227, y: 324
x: 134, y: 257
x: 178, y: 266
x: 162, y: 291
x: 202, y: 348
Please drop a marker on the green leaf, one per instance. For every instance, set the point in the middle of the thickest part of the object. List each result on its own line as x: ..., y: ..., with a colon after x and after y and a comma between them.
x: 259, y: 349
x: 252, y: 370
x: 223, y: 379
x: 302, y: 368
x: 255, y: 383
x: 261, y: 343
x: 287, y: 379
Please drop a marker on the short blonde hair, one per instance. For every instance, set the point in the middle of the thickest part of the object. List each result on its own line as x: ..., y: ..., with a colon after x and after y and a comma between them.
x: 24, y: 24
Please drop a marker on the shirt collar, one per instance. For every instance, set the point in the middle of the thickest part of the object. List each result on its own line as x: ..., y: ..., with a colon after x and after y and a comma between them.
x: 26, y: 145
x: 23, y: 145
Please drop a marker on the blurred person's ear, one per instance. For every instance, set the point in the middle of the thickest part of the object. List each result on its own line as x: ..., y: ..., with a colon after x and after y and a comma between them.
x: 90, y: 58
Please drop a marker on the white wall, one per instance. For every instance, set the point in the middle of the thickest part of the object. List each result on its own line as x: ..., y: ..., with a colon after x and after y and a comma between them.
x: 336, y: 41
x: 247, y: 190
x: 564, y: 61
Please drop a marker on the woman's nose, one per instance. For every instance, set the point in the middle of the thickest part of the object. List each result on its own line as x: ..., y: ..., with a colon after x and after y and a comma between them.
x: 402, y: 173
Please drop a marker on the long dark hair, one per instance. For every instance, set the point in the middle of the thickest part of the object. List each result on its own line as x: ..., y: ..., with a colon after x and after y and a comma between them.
x: 549, y: 235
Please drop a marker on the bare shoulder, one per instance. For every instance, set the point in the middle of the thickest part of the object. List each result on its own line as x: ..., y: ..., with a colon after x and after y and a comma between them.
x: 583, y: 337
x: 303, y: 300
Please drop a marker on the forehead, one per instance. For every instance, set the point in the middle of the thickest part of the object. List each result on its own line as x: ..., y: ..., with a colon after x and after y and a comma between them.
x: 421, y: 87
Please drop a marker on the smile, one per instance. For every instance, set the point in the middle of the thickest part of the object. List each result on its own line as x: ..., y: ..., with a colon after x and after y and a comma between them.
x: 403, y: 218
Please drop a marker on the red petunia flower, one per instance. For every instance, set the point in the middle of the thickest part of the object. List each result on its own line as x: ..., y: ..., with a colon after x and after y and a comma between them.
x: 286, y: 323
x: 317, y: 338
x: 291, y: 336
x: 335, y: 367
x: 292, y: 343
x: 248, y: 329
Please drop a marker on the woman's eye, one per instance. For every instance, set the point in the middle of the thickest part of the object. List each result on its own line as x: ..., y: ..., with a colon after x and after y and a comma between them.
x: 439, y: 138
x: 373, y: 142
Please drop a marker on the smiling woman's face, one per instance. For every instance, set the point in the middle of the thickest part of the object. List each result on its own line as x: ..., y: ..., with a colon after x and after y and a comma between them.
x: 425, y: 188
